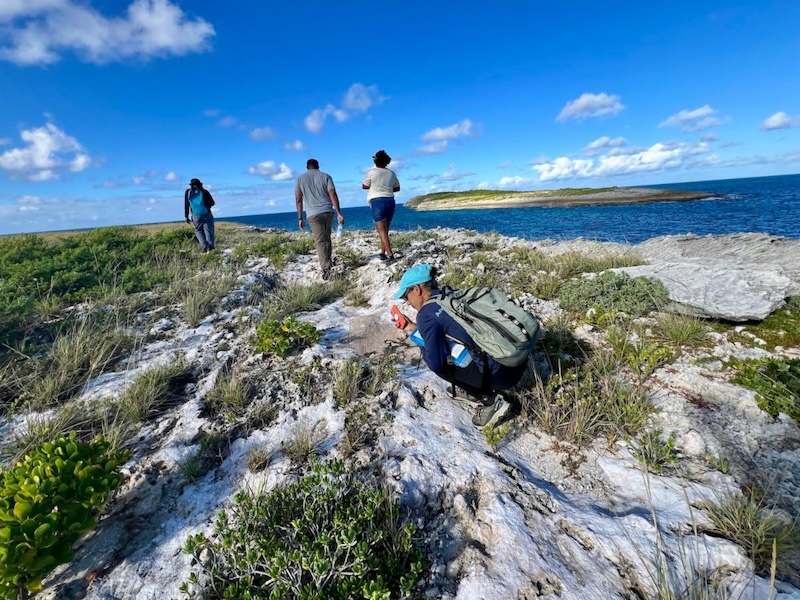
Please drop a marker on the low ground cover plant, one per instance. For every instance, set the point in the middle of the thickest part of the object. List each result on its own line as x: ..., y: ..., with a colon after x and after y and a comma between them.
x: 776, y: 383
x: 614, y: 293
x: 36, y: 270
x: 47, y: 501
x: 296, y: 298
x: 281, y: 338
x: 328, y: 535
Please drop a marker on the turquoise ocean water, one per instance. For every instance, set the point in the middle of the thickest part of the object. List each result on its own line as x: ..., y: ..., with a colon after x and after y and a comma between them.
x: 760, y: 204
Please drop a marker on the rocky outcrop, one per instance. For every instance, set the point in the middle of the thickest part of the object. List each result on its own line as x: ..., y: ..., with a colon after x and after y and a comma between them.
x: 742, y: 277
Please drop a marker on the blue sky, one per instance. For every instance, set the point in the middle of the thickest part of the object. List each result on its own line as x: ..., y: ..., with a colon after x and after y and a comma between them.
x: 109, y: 107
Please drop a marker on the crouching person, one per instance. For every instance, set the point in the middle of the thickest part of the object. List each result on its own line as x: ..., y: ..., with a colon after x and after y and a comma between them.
x: 446, y: 348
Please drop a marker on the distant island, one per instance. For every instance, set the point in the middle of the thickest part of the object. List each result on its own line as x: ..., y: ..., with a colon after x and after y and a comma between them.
x: 562, y: 197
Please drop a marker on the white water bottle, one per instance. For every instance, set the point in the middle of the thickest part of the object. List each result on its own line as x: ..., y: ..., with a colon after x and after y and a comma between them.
x: 338, y: 232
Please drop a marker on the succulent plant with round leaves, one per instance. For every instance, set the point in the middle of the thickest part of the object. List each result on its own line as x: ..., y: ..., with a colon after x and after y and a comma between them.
x: 47, y: 501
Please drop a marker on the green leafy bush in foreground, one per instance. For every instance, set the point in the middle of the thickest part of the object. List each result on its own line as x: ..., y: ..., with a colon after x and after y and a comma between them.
x: 776, y: 383
x: 47, y: 501
x: 327, y: 536
x: 281, y: 338
x: 614, y: 293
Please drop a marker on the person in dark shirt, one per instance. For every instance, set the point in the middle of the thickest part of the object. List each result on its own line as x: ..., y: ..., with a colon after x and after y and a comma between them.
x: 198, y: 201
x: 446, y: 348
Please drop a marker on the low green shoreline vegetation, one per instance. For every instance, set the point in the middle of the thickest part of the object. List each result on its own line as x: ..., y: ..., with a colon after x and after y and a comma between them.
x: 481, y: 195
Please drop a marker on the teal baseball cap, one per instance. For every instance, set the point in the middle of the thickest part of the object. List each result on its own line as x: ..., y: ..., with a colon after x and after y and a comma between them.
x: 414, y: 276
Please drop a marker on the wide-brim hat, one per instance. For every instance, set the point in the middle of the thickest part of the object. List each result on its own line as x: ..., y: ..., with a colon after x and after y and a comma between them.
x: 414, y: 276
x: 195, y: 181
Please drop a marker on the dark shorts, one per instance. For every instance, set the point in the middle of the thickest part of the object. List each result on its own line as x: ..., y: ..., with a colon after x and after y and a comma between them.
x: 382, y: 209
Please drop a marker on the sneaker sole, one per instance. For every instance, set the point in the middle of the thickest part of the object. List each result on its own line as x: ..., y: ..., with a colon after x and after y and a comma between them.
x: 496, y: 417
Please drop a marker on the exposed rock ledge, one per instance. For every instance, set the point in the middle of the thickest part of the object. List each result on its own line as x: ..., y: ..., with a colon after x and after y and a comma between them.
x: 742, y: 277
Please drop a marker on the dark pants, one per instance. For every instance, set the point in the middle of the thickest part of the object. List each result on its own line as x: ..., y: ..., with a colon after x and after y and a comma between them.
x: 204, y: 230
x: 471, y: 378
x: 321, y: 230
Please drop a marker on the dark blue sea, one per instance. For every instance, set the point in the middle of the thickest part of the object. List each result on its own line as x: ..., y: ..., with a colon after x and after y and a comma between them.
x: 759, y: 204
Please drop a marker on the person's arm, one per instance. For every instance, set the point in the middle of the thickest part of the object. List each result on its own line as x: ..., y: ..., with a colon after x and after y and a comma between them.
x: 208, y: 199
x: 186, y: 207
x: 435, y: 350
x: 396, y: 186
x: 366, y: 183
x: 335, y: 201
x: 298, y: 197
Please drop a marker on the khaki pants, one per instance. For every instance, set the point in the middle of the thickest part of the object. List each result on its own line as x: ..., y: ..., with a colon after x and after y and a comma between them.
x: 321, y: 230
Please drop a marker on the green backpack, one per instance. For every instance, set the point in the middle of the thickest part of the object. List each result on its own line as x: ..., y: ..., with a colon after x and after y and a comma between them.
x: 500, y: 327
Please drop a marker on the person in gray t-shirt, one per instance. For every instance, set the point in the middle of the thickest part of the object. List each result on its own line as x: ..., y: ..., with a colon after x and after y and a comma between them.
x: 317, y: 190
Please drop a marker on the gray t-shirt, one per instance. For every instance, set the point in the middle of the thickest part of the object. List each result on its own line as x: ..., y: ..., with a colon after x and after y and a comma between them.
x: 315, y: 185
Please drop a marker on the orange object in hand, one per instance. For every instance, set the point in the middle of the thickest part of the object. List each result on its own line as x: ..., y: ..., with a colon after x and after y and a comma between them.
x: 398, y: 318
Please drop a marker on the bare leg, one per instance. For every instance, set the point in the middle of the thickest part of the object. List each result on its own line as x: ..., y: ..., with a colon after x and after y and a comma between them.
x: 383, y: 232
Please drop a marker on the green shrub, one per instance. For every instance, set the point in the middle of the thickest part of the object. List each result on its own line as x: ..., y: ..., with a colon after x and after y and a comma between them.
x: 47, y: 501
x: 328, y: 535
x: 654, y: 452
x: 612, y: 292
x: 776, y: 383
x: 281, y: 338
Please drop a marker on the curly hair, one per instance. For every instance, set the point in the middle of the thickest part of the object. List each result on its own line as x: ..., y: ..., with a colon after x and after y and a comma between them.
x: 381, y: 158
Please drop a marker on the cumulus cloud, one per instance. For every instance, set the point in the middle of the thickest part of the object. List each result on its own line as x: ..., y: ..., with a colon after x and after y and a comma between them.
x: 269, y: 169
x: 709, y: 137
x: 780, y: 120
x: 439, y: 137
x: 604, y: 142
x: 453, y: 174
x: 295, y: 146
x: 358, y: 99
x: 513, y: 181
x: 262, y: 133
x: 591, y: 105
x: 693, y: 120
x: 462, y: 128
x: 171, y: 176
x: 35, y: 32
x: 47, y: 152
x: 657, y: 157
x: 434, y: 148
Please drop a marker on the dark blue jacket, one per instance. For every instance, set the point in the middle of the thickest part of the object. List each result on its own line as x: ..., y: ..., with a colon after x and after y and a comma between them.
x: 436, y: 326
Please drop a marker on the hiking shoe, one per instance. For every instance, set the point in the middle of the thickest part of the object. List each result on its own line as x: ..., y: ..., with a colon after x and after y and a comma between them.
x: 491, y: 415
x: 471, y: 399
x: 383, y: 256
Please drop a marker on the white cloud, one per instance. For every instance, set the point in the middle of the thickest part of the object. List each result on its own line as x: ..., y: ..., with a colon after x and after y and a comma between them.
x: 5, y: 141
x: 40, y: 31
x: 460, y: 129
x: 48, y: 151
x: 227, y: 121
x: 693, y: 120
x: 780, y: 120
x: 269, y: 169
x: 295, y: 146
x: 211, y: 112
x: 709, y: 137
x: 262, y: 133
x: 513, y: 181
x: 657, y: 157
x: 358, y: 99
x: 171, y: 176
x: 434, y: 148
x: 603, y: 143
x: 452, y: 174
x: 591, y: 105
